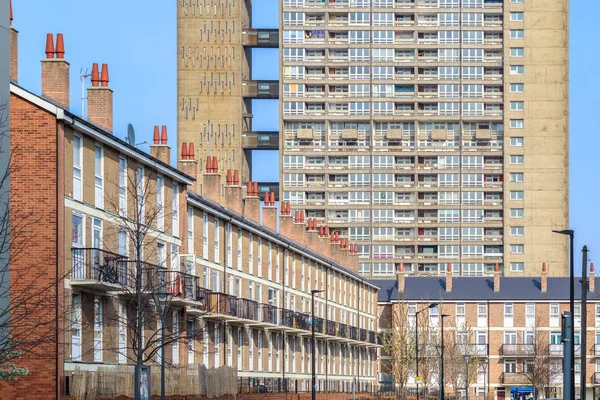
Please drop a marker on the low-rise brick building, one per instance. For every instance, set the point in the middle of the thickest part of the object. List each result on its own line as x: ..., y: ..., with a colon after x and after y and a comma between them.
x: 510, y: 327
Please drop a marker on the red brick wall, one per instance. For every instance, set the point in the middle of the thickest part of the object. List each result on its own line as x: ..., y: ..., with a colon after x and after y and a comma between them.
x: 34, y: 215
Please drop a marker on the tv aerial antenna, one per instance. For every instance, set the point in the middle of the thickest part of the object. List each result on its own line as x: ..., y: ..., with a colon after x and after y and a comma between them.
x: 83, y: 74
x: 131, y: 136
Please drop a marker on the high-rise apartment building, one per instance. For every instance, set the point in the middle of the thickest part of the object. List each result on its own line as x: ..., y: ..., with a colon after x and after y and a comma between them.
x: 214, y: 83
x: 430, y: 131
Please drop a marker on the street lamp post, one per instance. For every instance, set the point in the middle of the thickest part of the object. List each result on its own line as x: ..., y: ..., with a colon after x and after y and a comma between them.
x: 313, y: 349
x: 162, y: 301
x: 442, y: 358
x: 431, y: 305
x: 571, y: 234
x: 484, y: 368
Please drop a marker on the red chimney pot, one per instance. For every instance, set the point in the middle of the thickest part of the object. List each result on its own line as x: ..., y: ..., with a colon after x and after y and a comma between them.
x: 60, y: 49
x: 229, y: 178
x: 156, y: 137
x: 236, y: 178
x: 209, y: 164
x: 191, y: 153
x: 49, y: 45
x: 103, y: 74
x: 95, y: 74
x: 163, y: 135
x: 215, y: 165
x: 184, y: 151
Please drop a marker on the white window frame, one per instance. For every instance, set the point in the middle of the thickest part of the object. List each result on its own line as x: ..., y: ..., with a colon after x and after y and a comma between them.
x: 77, y: 167
x: 99, y: 175
x: 122, y: 185
x: 175, y: 208
x: 160, y: 203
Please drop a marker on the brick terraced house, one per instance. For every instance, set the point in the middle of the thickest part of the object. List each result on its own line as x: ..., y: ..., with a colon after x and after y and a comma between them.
x: 116, y: 225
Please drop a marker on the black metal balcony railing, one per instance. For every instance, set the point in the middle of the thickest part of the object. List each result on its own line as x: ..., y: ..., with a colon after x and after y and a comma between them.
x: 343, y: 330
x: 101, y: 266
x: 353, y: 333
x: 318, y: 325
x: 97, y: 265
x: 475, y: 349
x: 331, y: 325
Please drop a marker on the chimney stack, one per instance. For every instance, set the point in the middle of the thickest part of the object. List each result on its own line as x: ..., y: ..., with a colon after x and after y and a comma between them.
x: 55, y: 72
x: 211, y: 188
x: 592, y: 279
x: 233, y: 192
x: 334, y: 247
x: 400, y: 278
x: 496, y: 278
x: 252, y: 203
x: 14, y: 49
x: 449, y: 278
x: 544, y: 279
x: 187, y: 163
x: 100, y: 99
x: 159, y: 148
x: 270, y: 212
x: 312, y: 235
x: 299, y: 227
x: 285, y: 219
x: 324, y: 242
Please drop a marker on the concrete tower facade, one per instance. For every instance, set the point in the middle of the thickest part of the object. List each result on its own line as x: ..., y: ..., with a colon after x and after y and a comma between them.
x: 430, y: 131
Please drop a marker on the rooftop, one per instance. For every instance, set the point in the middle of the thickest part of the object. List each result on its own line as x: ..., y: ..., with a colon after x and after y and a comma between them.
x: 433, y: 288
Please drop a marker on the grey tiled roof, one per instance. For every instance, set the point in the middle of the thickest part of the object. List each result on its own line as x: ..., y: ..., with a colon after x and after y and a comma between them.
x: 433, y: 288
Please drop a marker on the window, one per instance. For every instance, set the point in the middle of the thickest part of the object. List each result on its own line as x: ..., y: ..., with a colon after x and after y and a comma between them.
x: 510, y: 366
x: 140, y: 195
x: 516, y: 52
x: 122, y: 333
x: 175, y: 208
x: 259, y: 257
x: 205, y: 236
x: 517, y: 231
x: 98, y: 322
x: 516, y: 33
x: 517, y: 1
x: 517, y: 105
x: 77, y: 167
x: 517, y: 249
x: 516, y: 195
x: 508, y: 314
x: 517, y: 69
x: 516, y: 213
x: 516, y: 159
x: 517, y: 177
x: 229, y: 246
x: 517, y: 87
x: 516, y: 141
x: 250, y: 254
x: 530, y: 315
x: 217, y: 344
x: 517, y: 16
x: 517, y: 124
x: 217, y: 241
x: 122, y: 186
x: 99, y: 176
x: 554, y: 314
x: 76, y: 327
x: 160, y: 207
x: 481, y: 315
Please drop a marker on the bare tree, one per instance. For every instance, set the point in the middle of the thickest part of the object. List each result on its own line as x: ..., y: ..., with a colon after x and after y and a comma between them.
x: 398, y: 346
x: 460, y: 355
x: 138, y: 267
x: 27, y: 329
x: 540, y: 369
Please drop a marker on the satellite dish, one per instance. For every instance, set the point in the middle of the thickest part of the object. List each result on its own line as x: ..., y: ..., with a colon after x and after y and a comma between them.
x: 130, y: 134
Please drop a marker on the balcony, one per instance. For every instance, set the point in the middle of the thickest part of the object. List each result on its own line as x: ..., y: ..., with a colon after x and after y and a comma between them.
x: 517, y: 350
x: 260, y: 38
x: 263, y: 89
x: 555, y: 350
x: 596, y: 378
x: 514, y: 378
x: 98, y: 269
x: 264, y: 140
x: 480, y: 350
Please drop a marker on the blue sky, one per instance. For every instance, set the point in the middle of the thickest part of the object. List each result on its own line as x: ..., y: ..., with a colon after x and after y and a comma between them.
x: 138, y: 41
